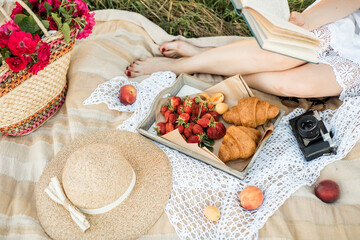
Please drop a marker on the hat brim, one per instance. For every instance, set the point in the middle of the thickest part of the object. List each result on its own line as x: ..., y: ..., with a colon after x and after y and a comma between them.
x: 133, y: 217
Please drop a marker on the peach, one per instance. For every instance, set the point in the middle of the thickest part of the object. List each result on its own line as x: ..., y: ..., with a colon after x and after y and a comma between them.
x: 327, y: 191
x: 212, y: 213
x: 127, y: 94
x: 251, y: 198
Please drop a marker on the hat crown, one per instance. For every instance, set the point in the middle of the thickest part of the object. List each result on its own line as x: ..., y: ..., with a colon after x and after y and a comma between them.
x: 96, y: 175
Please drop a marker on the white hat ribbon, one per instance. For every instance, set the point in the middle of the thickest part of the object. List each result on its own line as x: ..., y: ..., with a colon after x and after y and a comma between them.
x: 56, y: 193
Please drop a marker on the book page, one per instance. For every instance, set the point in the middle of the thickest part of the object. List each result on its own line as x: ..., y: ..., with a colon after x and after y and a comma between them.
x: 278, y: 8
x: 278, y: 22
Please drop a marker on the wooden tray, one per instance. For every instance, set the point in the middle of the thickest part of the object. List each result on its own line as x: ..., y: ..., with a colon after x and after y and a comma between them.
x: 188, y: 85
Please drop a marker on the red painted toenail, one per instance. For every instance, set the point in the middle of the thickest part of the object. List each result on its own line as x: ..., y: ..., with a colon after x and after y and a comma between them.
x: 128, y: 73
x: 163, y: 50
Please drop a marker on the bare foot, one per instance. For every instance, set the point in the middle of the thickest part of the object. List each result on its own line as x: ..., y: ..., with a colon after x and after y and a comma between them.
x: 154, y: 64
x: 177, y: 49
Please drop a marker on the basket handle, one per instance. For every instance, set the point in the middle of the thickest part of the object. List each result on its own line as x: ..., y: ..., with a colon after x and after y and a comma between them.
x: 37, y: 20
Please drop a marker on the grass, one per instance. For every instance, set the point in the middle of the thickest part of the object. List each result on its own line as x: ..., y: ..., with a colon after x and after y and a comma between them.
x: 190, y: 18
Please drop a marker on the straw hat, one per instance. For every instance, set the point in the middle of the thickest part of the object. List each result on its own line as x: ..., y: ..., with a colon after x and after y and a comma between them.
x: 119, y: 181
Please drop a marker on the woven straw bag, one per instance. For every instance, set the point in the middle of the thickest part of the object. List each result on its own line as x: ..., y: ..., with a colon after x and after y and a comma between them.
x: 27, y: 101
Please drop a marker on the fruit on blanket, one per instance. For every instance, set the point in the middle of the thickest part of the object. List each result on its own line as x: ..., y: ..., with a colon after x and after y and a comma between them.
x: 250, y: 112
x: 251, y: 198
x: 217, y: 98
x: 221, y: 108
x: 327, y: 191
x: 175, y: 101
x: 204, y: 97
x: 127, y: 94
x: 212, y: 213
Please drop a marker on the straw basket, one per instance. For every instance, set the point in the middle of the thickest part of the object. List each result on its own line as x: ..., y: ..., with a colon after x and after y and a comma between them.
x: 27, y: 101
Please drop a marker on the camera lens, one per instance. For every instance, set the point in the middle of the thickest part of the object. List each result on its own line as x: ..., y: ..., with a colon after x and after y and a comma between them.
x: 308, y: 127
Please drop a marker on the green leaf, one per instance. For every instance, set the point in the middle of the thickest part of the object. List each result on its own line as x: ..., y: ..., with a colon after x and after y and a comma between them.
x: 48, y: 7
x: 210, y: 148
x: 19, y: 17
x: 46, y: 23
x: 29, y: 25
x: 57, y: 20
x: 66, y: 31
x: 5, y: 53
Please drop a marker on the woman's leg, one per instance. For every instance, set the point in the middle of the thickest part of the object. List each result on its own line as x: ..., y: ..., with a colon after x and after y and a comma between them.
x: 309, y: 80
x: 244, y: 57
x: 176, y: 49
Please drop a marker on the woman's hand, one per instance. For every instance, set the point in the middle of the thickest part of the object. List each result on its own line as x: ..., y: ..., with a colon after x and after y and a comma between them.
x: 299, y: 19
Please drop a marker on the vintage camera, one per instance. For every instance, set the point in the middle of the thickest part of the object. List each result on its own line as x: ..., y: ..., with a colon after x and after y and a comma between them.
x: 312, y: 135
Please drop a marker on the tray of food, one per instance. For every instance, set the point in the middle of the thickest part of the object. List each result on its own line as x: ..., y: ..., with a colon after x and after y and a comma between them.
x: 223, y: 125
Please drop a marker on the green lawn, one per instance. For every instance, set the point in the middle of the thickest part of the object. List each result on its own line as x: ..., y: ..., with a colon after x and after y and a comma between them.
x: 190, y: 18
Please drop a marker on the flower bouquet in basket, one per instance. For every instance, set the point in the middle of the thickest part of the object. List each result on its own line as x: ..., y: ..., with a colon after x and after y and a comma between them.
x: 35, y: 45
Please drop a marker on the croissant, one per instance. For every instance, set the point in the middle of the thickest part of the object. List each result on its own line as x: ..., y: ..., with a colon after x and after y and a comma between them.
x: 250, y: 112
x: 239, y: 142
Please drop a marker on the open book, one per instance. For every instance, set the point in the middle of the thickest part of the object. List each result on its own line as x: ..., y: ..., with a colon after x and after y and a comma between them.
x: 268, y: 22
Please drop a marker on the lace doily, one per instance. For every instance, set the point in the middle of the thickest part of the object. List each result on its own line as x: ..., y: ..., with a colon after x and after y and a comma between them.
x: 347, y: 71
x: 279, y: 171
x: 108, y: 92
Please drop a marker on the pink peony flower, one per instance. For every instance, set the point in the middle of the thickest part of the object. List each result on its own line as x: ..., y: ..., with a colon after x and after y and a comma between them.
x: 4, y: 36
x: 52, y: 23
x: 18, y: 63
x: 38, y: 67
x: 21, y: 42
x: 81, y: 8
x: 5, y: 32
x: 44, y: 52
x: 17, y: 10
x: 90, y: 22
x: 54, y: 3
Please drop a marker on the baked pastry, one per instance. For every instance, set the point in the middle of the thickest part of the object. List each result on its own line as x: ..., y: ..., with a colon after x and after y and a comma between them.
x: 239, y: 142
x: 250, y: 112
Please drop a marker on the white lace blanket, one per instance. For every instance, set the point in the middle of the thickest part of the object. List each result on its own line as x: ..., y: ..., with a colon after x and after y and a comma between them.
x: 279, y: 170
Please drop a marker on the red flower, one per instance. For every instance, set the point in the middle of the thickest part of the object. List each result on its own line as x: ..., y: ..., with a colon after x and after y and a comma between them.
x: 90, y: 22
x: 17, y: 10
x: 44, y: 52
x: 81, y: 8
x: 54, y: 3
x: 21, y: 42
x: 38, y: 66
x: 5, y: 31
x: 18, y: 63
x: 52, y: 23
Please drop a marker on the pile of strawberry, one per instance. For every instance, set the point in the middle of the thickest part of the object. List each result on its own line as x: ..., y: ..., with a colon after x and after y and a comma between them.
x: 195, y: 119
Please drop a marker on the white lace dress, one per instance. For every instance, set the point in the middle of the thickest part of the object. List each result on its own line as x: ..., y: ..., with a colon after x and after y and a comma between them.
x: 341, y: 51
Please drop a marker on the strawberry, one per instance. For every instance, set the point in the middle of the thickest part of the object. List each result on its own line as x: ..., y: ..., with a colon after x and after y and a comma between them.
x: 210, y: 106
x: 163, y: 110
x: 197, y: 129
x: 187, y: 105
x: 203, y: 122
x: 166, y: 115
x: 193, y: 139
x: 180, y: 109
x: 216, y: 130
x: 169, y: 127
x: 183, y: 119
x: 172, y: 118
x: 183, y: 136
x: 180, y: 127
x: 188, y: 131
x: 192, y: 124
x: 175, y: 101
x: 207, y: 116
x: 215, y: 115
x: 160, y: 128
x: 193, y: 118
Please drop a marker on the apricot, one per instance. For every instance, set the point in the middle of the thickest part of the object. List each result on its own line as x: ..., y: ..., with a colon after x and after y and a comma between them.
x: 212, y: 213
x: 127, y: 94
x: 217, y: 98
x: 221, y: 108
x: 327, y: 191
x: 251, y: 198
